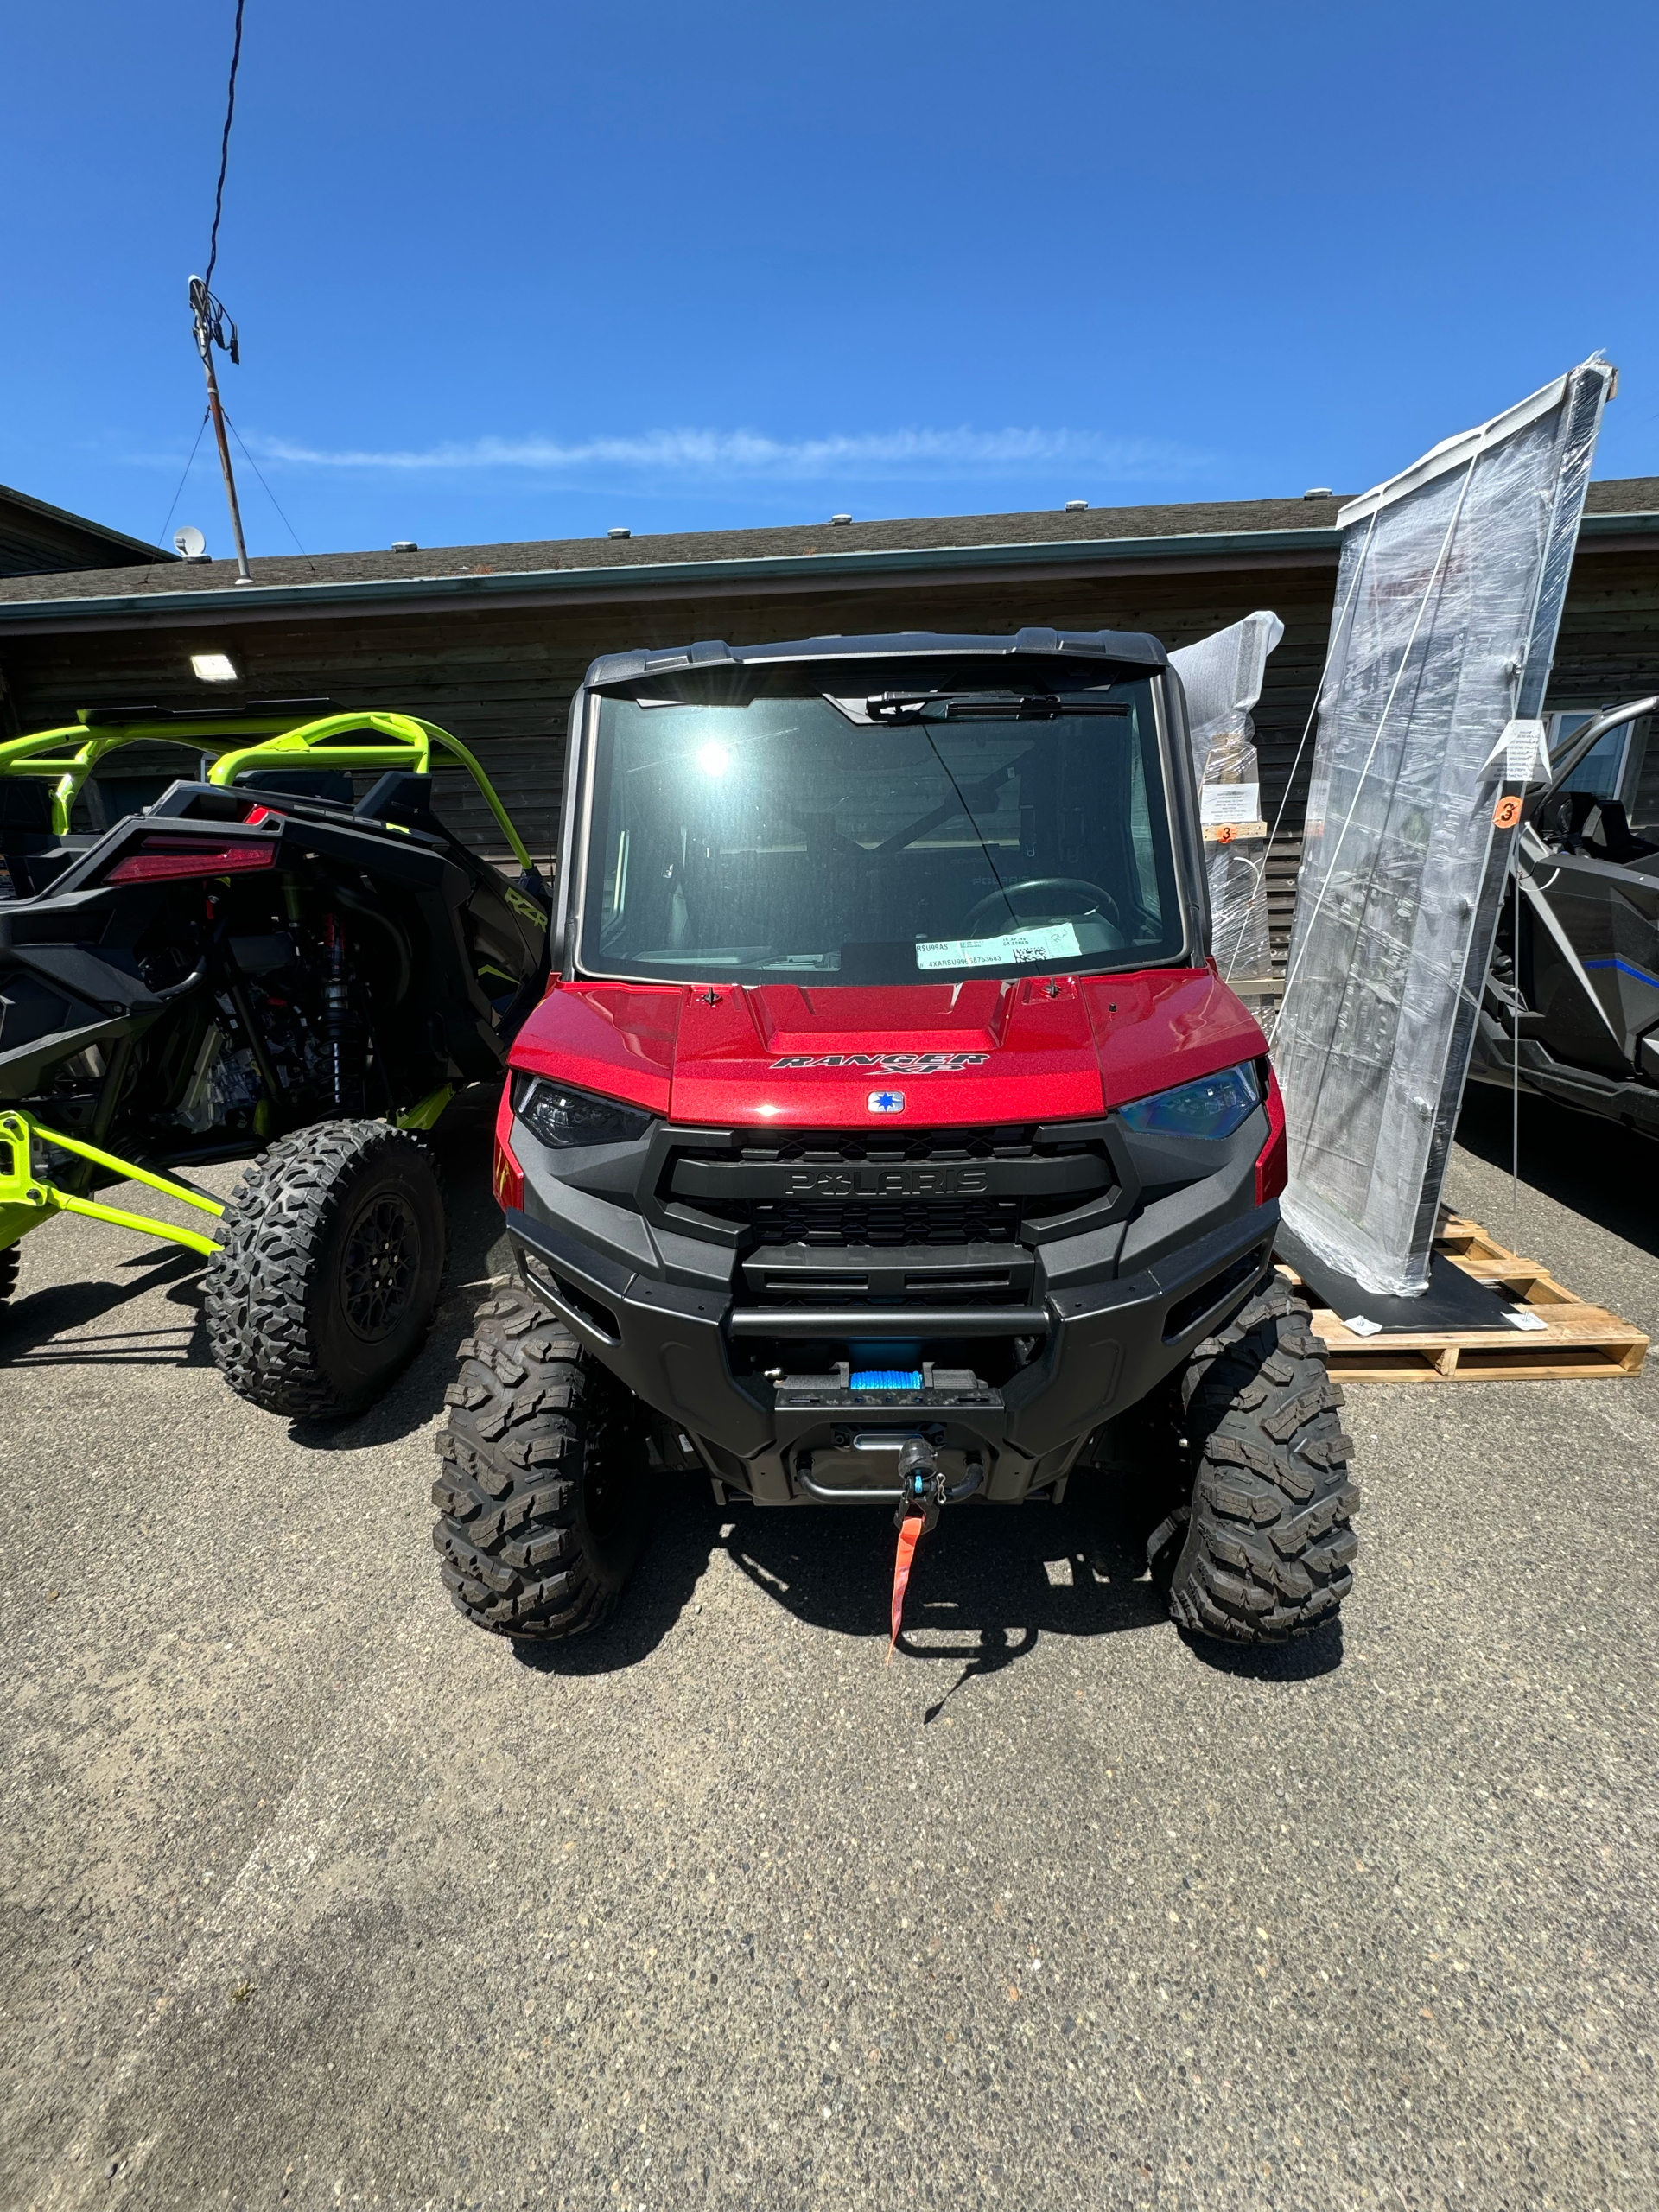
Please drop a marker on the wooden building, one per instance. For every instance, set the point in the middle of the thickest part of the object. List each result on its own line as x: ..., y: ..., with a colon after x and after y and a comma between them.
x: 491, y: 640
x: 36, y: 540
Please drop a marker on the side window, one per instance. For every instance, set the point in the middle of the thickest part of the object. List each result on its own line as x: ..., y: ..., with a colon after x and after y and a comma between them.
x: 1641, y: 779
x: 1605, y: 769
x: 1141, y: 836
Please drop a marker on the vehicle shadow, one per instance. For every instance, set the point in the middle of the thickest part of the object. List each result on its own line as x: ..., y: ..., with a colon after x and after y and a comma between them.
x: 36, y: 1330
x: 988, y: 1583
x: 685, y: 1534
x: 1319, y: 1652
x: 1594, y: 1167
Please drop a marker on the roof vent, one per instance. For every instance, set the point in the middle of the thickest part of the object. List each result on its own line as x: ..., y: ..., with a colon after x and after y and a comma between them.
x: 405, y: 545
x: 841, y: 518
x: 1077, y: 507
x: 619, y: 533
x: 1319, y: 491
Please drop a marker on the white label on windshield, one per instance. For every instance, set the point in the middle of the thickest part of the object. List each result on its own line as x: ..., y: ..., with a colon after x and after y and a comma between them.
x: 1230, y: 802
x: 1057, y: 941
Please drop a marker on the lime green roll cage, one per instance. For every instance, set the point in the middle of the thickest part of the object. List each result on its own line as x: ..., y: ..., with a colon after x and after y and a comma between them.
x: 373, y: 738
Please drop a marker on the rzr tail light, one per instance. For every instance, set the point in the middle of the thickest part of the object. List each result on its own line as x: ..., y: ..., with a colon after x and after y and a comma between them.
x: 1273, y: 1162
x: 158, y: 859
x: 507, y: 1179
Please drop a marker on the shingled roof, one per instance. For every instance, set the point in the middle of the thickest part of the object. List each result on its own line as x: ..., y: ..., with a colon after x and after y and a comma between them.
x: 36, y: 539
x: 1285, y: 528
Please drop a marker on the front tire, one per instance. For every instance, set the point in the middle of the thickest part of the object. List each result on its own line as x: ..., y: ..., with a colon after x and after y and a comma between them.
x: 10, y: 1261
x: 543, y: 1496
x: 329, y: 1268
x: 1264, y: 1552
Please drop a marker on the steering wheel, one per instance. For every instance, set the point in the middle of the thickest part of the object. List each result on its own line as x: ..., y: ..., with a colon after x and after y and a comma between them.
x: 1009, y: 891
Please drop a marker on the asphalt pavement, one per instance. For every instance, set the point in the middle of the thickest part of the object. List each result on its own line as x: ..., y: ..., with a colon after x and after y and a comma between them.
x: 311, y: 1895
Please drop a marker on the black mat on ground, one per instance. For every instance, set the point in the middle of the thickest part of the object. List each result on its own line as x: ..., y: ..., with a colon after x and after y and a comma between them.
x: 1452, y: 1300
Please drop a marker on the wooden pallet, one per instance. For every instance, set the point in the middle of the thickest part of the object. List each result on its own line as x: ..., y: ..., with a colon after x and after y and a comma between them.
x: 1579, y: 1343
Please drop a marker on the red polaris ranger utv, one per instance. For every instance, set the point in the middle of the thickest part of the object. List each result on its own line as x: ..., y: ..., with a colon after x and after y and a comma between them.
x: 886, y: 1134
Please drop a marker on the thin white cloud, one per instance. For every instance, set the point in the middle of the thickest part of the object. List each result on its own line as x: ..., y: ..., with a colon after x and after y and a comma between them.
x: 709, y: 455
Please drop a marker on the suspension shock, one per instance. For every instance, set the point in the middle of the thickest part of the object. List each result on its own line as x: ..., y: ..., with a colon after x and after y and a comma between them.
x: 341, y: 1031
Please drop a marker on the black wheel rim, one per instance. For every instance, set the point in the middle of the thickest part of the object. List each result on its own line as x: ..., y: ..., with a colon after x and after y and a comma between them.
x: 381, y: 1260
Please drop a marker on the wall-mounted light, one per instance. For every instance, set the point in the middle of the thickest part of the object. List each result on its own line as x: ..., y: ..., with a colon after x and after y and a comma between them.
x: 214, y: 668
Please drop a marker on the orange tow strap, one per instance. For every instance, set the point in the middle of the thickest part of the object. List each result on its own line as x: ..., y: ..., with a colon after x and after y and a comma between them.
x: 910, y: 1533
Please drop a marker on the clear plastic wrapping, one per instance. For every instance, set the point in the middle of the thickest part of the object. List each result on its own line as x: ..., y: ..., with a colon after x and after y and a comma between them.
x: 1448, y: 600
x: 1222, y: 676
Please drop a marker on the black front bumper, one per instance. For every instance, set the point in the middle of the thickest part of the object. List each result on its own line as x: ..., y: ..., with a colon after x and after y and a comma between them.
x: 757, y: 1391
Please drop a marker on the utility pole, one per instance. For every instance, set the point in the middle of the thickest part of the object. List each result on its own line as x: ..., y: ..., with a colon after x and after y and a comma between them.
x: 210, y: 321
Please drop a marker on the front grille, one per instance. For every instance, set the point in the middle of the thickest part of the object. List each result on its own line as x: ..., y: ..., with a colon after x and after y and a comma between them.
x: 935, y: 1222
x: 883, y: 1189
x: 889, y: 1274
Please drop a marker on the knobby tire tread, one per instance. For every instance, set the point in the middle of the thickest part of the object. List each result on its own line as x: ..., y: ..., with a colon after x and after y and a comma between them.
x: 530, y: 1415
x: 258, y: 1287
x: 1267, y: 1551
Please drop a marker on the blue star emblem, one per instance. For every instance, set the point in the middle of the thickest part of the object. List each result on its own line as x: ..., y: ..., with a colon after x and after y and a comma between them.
x: 886, y: 1102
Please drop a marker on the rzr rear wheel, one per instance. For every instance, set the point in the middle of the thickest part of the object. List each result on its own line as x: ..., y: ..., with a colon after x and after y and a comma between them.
x: 1264, y: 1552
x: 330, y: 1266
x: 10, y: 1260
x: 545, y: 1493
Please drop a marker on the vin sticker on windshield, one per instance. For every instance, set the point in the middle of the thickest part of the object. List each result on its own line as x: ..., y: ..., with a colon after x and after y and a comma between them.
x: 1059, y: 942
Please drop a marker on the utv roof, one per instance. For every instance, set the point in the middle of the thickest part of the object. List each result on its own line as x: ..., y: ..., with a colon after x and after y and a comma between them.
x: 1132, y: 648
x: 299, y: 710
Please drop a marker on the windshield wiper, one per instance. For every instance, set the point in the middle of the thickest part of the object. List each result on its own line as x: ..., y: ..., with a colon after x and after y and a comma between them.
x: 985, y: 706
x: 988, y: 706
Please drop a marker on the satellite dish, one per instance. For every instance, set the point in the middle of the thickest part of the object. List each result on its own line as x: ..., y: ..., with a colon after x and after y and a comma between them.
x: 190, y: 542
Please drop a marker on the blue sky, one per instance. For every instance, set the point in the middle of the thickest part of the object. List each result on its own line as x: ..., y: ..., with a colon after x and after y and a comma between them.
x: 529, y: 270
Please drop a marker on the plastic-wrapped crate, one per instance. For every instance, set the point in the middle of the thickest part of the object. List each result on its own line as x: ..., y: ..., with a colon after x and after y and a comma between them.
x: 1448, y: 600
x: 1222, y: 676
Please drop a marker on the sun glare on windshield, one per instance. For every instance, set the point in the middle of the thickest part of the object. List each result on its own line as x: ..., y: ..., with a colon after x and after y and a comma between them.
x: 921, y: 842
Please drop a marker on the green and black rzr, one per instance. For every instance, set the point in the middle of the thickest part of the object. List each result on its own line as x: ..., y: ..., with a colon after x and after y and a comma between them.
x: 260, y: 963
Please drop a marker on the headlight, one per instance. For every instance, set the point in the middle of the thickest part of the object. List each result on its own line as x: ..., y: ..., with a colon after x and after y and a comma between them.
x: 1213, y: 1106
x: 559, y: 1115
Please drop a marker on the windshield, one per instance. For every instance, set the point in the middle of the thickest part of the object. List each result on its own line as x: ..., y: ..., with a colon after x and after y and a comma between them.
x: 894, y: 840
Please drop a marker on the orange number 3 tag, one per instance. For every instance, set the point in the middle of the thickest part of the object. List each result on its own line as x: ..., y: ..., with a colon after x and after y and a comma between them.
x: 1506, y: 813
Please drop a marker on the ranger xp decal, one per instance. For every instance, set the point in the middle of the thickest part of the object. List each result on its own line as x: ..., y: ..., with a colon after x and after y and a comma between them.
x: 889, y: 1062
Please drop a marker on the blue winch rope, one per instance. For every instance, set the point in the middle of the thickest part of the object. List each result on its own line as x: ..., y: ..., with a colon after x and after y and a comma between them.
x: 886, y: 1378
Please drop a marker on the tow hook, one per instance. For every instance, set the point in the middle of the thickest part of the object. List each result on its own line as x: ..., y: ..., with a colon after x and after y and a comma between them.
x: 922, y: 1480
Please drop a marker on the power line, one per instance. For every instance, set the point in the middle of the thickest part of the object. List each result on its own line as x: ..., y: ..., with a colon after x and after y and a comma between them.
x: 270, y: 495
x: 225, y: 148
x: 209, y: 317
x: 188, y: 465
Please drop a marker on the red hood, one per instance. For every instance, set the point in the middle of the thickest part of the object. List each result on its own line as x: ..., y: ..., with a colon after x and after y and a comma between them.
x: 1043, y: 1048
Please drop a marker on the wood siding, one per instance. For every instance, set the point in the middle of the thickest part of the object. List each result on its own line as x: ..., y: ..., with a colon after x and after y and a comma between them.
x: 502, y: 680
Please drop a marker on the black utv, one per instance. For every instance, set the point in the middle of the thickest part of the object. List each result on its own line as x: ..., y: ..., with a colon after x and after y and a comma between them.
x: 259, y: 962
x: 1571, y: 1007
